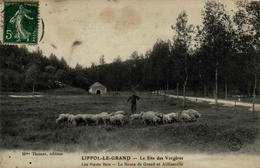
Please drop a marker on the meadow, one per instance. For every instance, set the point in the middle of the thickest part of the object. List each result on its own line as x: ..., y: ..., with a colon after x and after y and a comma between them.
x: 29, y: 123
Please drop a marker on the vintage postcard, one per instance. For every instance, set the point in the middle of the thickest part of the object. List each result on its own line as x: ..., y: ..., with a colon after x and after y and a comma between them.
x: 129, y: 83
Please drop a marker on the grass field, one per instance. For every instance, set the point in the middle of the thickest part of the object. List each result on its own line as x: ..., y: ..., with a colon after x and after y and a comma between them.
x: 29, y: 123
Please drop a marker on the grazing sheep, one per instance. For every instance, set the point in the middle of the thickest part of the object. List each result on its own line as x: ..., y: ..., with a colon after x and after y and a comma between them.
x: 118, y: 119
x: 90, y: 119
x: 173, y: 116
x: 170, y: 118
x: 134, y: 117
x: 118, y: 112
x: 78, y: 119
x: 102, y: 118
x: 166, y: 119
x: 192, y: 113
x: 151, y: 117
x: 160, y: 116
x: 63, y: 118
x: 185, y: 117
x: 83, y: 119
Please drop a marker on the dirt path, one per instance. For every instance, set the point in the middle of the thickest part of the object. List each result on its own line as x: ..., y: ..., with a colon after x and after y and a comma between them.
x: 228, y: 103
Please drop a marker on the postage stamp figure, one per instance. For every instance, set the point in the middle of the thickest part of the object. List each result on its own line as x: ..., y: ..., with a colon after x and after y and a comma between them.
x: 20, y: 24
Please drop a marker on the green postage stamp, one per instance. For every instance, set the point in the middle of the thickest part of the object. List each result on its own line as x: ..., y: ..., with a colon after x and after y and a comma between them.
x: 20, y: 22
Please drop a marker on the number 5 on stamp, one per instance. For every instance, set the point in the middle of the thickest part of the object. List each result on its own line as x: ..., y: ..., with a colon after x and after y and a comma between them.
x: 20, y: 23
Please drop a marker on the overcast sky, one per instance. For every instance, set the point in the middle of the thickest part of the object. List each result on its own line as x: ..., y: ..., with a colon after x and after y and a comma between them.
x: 83, y: 30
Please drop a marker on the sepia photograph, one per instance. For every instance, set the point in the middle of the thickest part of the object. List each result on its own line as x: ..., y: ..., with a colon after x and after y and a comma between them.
x: 170, y: 83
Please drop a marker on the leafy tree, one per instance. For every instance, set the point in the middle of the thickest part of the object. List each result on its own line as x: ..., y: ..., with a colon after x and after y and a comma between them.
x: 102, y: 60
x: 215, y: 40
x: 248, y: 39
x: 181, y: 45
x: 63, y: 63
x: 60, y: 75
x: 118, y: 59
x: 32, y: 76
x: 50, y: 69
x: 78, y: 67
x: 134, y: 55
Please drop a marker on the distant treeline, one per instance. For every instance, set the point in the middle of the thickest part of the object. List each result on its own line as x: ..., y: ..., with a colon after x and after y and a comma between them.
x: 222, y: 54
x: 22, y: 70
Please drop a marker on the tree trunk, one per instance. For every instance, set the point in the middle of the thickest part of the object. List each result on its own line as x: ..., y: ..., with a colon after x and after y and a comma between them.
x: 216, y: 86
x: 177, y: 89
x: 184, y: 92
x: 205, y: 90
x: 33, y: 88
x: 185, y: 82
x: 226, y: 90
x: 254, y: 93
x: 21, y: 87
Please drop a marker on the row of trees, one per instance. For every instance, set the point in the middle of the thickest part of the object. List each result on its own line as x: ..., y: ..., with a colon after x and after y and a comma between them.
x: 215, y: 55
x: 22, y: 70
x: 222, y: 55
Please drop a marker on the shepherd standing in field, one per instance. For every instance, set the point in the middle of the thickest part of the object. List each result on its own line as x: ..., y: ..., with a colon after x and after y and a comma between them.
x: 133, y: 100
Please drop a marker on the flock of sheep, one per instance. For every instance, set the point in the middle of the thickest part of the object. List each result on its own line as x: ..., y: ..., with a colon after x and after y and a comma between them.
x: 120, y: 118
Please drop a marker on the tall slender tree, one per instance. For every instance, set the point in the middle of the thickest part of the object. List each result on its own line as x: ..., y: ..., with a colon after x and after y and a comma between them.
x: 181, y: 45
x: 32, y: 76
x: 247, y: 19
x: 102, y: 60
x: 216, y: 42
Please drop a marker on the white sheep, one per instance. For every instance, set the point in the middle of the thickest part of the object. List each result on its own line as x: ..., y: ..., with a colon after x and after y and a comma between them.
x: 63, y: 118
x: 151, y: 117
x: 185, y: 117
x: 102, y: 118
x: 173, y: 116
x: 192, y: 113
x: 195, y: 113
x: 134, y: 117
x: 90, y: 119
x: 170, y: 118
x: 189, y: 115
x: 118, y: 112
x: 79, y: 119
x: 118, y: 119
x: 84, y: 119
x: 166, y: 119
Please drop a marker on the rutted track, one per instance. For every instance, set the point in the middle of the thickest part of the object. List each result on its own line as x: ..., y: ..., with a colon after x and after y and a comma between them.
x: 220, y: 101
